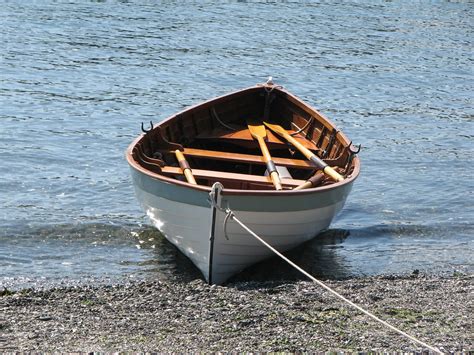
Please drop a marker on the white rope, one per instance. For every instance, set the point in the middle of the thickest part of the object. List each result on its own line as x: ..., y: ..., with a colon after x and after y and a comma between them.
x: 232, y: 216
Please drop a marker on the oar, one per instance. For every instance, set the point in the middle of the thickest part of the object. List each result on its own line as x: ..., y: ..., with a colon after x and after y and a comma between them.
x: 184, y: 165
x: 313, y: 181
x: 306, y: 152
x: 259, y: 133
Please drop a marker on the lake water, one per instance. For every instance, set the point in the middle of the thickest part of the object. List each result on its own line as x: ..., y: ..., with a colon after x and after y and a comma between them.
x: 78, y: 78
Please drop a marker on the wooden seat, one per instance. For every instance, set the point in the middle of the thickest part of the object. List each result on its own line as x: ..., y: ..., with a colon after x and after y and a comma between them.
x: 225, y: 176
x: 244, y: 158
x: 243, y: 137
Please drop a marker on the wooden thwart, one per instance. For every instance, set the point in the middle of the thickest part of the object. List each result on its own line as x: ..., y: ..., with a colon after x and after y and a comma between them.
x: 158, y: 167
x: 244, y: 136
x: 245, y: 158
x: 225, y: 176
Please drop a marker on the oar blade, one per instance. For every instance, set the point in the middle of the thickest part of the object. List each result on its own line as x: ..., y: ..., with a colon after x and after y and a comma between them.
x: 257, y: 129
x: 275, y: 128
x: 259, y: 132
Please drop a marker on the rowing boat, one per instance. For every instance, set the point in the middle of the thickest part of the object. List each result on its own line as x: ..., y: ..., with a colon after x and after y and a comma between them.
x: 277, y: 163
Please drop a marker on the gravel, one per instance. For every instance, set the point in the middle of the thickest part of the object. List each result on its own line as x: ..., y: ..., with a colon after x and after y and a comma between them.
x: 272, y: 316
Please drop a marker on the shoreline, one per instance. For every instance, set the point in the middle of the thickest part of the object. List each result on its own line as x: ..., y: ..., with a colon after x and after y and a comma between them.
x: 266, y: 316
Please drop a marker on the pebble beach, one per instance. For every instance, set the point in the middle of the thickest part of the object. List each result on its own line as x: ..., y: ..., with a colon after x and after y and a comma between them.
x: 292, y: 316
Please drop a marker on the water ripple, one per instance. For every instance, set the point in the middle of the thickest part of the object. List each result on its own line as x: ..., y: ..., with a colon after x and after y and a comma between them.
x: 77, y: 78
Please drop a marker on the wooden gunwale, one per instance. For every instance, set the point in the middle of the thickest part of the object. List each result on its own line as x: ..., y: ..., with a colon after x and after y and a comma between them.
x: 189, y: 112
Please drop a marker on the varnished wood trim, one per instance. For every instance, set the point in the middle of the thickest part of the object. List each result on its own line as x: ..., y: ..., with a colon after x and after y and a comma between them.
x: 245, y: 158
x: 245, y: 136
x: 223, y: 100
x: 225, y: 176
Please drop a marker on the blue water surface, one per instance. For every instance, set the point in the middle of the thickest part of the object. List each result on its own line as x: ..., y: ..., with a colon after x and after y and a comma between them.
x: 77, y: 78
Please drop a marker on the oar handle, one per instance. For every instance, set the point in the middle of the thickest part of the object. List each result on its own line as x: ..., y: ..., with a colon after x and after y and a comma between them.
x: 326, y: 168
x: 333, y: 173
x: 311, y: 156
x: 276, y: 179
x: 313, y: 181
x: 270, y: 164
x: 184, y: 165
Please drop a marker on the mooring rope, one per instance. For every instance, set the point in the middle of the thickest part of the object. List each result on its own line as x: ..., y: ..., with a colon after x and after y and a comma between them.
x: 231, y: 215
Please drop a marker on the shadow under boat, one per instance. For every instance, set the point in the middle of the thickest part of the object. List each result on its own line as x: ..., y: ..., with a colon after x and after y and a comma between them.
x: 318, y: 256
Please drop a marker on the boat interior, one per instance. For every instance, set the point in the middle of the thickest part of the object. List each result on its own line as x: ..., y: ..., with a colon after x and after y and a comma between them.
x: 216, y: 144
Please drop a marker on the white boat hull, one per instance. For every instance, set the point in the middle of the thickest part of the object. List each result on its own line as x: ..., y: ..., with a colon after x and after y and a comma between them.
x: 187, y: 219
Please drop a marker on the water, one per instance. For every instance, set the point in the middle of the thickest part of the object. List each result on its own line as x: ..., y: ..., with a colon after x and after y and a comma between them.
x: 78, y: 78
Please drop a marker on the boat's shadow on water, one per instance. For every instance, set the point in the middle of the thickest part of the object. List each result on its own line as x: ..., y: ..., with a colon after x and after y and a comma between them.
x: 319, y: 257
